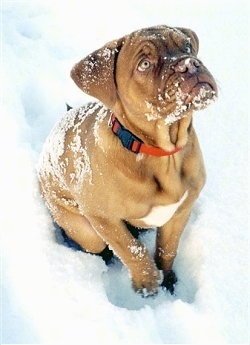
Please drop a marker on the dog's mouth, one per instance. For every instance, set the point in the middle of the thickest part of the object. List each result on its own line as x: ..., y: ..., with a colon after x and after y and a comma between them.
x: 198, y: 91
x: 194, y: 93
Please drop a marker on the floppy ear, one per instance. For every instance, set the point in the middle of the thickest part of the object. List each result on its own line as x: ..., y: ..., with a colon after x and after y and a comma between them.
x: 194, y: 38
x: 95, y: 74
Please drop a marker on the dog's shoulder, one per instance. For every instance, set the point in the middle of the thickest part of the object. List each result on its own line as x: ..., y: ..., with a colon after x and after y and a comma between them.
x: 77, y: 118
x: 79, y: 114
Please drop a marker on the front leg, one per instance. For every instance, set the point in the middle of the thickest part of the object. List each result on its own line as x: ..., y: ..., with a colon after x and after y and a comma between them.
x: 144, y: 273
x: 167, y: 241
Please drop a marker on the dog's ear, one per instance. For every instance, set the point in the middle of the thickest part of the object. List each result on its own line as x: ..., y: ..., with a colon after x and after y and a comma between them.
x: 194, y: 39
x: 95, y: 74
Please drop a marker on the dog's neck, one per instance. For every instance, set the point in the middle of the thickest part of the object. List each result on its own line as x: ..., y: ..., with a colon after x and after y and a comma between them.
x: 157, y: 139
x: 175, y: 134
x: 135, y: 144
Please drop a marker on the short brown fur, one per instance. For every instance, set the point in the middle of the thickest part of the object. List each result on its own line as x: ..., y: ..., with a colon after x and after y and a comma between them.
x: 92, y: 184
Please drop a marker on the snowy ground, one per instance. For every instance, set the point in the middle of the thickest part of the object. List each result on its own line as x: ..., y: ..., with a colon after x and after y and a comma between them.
x: 55, y: 294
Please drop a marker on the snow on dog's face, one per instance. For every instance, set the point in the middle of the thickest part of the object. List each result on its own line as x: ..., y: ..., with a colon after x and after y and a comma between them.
x: 151, y: 74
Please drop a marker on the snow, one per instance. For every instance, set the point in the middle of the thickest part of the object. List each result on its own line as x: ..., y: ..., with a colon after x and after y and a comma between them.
x: 53, y: 293
x: 51, y: 156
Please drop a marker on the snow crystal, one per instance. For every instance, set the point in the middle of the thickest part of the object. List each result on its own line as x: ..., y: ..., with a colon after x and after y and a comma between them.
x: 166, y: 31
x: 101, y: 114
x: 177, y: 114
x: 50, y: 163
x: 153, y: 114
x: 82, y: 169
x: 106, y: 53
x: 138, y: 250
x: 160, y: 98
x: 201, y: 100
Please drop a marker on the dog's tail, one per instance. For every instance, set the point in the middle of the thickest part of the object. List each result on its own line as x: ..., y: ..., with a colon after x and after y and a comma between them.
x: 68, y: 107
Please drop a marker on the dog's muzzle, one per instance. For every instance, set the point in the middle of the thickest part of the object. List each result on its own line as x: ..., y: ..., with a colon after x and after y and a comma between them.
x: 196, y: 81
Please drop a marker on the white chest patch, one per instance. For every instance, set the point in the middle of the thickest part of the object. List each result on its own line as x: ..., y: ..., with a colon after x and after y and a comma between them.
x: 159, y: 215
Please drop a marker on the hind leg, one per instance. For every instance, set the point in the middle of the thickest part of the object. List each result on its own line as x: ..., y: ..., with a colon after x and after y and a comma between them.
x: 78, y: 228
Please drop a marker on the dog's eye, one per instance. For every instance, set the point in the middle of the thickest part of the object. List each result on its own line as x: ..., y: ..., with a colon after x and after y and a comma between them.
x: 144, y: 65
x: 188, y: 48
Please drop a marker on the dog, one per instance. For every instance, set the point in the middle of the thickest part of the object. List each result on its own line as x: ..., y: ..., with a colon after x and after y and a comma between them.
x: 132, y: 157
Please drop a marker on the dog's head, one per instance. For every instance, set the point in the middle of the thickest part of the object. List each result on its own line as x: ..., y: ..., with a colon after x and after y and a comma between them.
x: 153, y: 71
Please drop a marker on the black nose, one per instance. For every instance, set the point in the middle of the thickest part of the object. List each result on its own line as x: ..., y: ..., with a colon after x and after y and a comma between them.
x: 190, y: 65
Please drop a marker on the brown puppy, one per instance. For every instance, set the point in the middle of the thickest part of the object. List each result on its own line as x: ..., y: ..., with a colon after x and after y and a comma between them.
x: 135, y: 157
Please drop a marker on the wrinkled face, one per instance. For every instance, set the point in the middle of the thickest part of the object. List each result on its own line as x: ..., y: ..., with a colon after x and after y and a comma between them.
x: 159, y: 75
x: 151, y: 74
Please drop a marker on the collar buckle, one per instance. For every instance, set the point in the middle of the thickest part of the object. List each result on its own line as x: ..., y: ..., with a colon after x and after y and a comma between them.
x: 135, y: 144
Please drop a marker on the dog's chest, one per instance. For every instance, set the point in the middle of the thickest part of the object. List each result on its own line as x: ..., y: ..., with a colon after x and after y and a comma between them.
x: 160, y: 215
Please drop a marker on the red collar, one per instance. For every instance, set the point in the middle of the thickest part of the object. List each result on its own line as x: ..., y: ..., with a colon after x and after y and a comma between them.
x: 134, y: 144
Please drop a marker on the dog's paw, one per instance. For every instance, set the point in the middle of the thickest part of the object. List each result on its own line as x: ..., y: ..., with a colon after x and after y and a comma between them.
x: 169, y: 281
x: 148, y: 282
x: 145, y: 293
